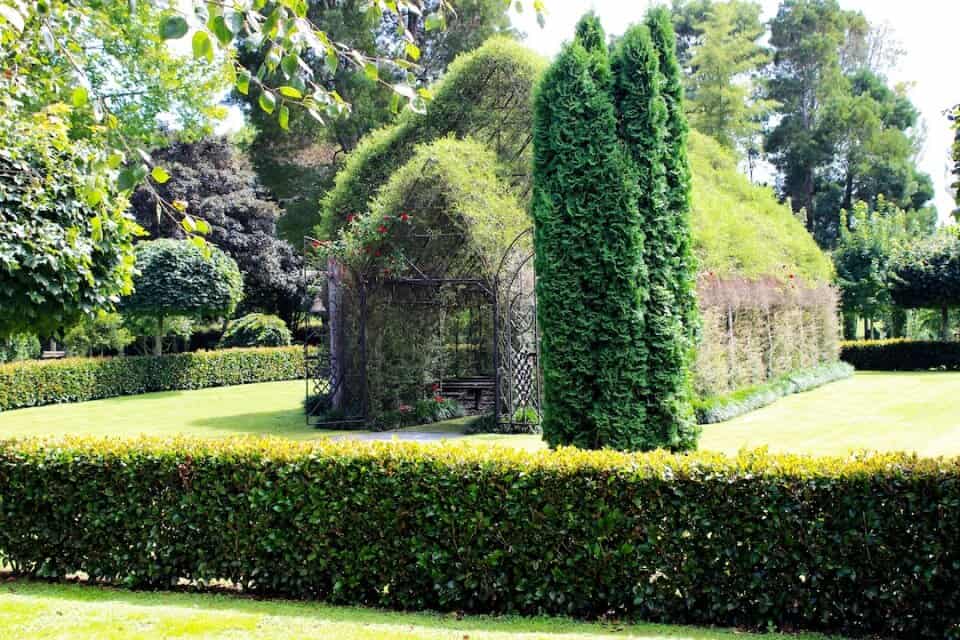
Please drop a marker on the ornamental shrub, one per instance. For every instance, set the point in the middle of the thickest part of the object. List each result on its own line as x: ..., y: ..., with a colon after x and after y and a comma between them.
x: 256, y: 330
x: 32, y: 384
x: 589, y: 265
x: 856, y: 545
x: 21, y: 346
x: 901, y: 355
x: 176, y: 278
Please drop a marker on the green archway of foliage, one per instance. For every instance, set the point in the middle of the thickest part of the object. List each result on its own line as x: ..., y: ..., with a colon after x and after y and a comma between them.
x: 445, y: 214
x: 485, y: 94
x: 177, y: 278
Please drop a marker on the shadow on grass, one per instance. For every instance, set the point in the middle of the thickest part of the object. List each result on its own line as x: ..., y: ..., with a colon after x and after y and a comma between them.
x: 319, y: 612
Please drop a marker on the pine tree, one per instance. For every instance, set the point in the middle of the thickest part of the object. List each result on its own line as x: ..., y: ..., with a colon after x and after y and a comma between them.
x: 672, y: 313
x: 589, y: 261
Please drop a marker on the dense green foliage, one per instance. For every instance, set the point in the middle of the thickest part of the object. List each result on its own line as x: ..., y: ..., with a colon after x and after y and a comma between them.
x: 175, y: 278
x: 589, y: 261
x: 219, y: 187
x: 740, y: 230
x: 65, y: 243
x: 32, y: 384
x: 100, y: 334
x: 256, y: 330
x: 901, y: 355
x: 927, y: 276
x: 727, y: 407
x: 721, y: 87
x: 956, y: 159
x: 672, y: 312
x: 842, y: 133
x: 467, y: 102
x: 493, y: 530
x: 20, y: 346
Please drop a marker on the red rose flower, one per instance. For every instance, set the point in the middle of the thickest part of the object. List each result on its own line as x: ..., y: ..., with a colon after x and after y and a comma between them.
x: 351, y: 217
x: 382, y: 229
x: 404, y: 217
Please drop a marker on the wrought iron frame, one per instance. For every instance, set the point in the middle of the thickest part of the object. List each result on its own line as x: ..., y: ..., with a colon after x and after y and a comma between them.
x: 514, y: 369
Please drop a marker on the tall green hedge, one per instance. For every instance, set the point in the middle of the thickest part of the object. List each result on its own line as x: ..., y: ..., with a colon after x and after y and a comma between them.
x: 32, y: 384
x: 588, y: 244
x: 855, y: 545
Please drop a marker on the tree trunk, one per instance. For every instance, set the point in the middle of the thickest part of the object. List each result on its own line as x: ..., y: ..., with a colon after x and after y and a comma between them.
x: 158, y: 338
x: 944, y: 324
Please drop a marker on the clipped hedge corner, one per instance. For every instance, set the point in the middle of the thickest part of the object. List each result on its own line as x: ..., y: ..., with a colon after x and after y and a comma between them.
x: 859, y: 545
x: 901, y: 355
x: 32, y: 384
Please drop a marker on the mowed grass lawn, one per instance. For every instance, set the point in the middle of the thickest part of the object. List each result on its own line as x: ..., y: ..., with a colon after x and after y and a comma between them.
x: 917, y: 412
x: 35, y: 610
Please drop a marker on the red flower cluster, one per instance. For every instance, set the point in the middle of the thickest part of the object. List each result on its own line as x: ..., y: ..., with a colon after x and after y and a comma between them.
x: 382, y: 229
x: 404, y: 217
x: 438, y: 399
x: 351, y: 217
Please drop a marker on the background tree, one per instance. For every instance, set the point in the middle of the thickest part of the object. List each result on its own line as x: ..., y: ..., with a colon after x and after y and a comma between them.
x: 927, y: 276
x: 219, y: 187
x: 721, y: 86
x: 842, y: 134
x: 102, y: 334
x: 955, y: 117
x: 588, y: 243
x: 176, y: 278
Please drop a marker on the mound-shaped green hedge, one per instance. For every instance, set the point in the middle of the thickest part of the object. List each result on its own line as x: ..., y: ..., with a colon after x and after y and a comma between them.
x: 860, y: 545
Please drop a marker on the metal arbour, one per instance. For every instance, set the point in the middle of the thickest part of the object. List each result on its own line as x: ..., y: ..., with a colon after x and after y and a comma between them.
x: 336, y: 342
x: 517, y: 353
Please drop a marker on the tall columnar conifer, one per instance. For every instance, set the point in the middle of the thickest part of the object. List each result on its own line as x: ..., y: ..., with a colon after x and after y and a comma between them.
x: 673, y: 319
x: 589, y: 260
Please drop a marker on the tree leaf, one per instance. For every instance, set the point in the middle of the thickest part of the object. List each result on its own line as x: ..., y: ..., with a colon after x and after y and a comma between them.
x: 79, y: 97
x: 243, y: 82
x: 160, y: 175
x: 267, y: 101
x: 173, y: 27
x: 371, y: 71
x: 413, y: 51
x: 202, y: 46
x: 290, y: 92
x: 284, y: 117
x: 434, y: 21
x: 218, y: 25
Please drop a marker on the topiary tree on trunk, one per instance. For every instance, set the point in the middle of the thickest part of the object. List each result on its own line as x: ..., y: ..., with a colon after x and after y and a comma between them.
x: 589, y: 260
x: 176, y: 278
x: 927, y: 276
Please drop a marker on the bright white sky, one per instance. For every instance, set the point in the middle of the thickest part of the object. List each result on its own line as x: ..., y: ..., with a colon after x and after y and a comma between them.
x: 926, y: 30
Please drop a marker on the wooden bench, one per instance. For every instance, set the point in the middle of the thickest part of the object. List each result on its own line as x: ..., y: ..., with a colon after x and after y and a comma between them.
x: 475, y: 387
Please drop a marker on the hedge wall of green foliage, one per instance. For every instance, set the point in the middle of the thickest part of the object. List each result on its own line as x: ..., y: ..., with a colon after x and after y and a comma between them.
x: 901, y: 355
x: 256, y: 330
x: 727, y: 407
x: 32, y: 384
x: 855, y: 545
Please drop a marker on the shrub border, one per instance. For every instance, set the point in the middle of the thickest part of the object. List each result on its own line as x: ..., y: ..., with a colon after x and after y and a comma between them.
x: 902, y: 355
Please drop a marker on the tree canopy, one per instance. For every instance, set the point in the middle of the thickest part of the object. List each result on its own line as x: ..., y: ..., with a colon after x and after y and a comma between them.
x: 217, y: 184
x: 177, y: 278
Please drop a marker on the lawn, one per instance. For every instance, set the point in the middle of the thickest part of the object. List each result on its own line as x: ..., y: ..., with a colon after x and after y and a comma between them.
x: 881, y: 411
x: 37, y: 610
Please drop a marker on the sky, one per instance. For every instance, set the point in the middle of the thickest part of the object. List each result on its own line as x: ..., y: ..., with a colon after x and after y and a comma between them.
x: 926, y: 30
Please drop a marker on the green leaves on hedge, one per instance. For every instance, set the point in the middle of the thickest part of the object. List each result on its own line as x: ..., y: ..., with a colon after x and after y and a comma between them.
x: 863, y: 546
x: 33, y: 384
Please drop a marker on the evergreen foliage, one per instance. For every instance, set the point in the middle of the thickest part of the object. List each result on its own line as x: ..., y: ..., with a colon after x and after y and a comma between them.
x: 256, y: 330
x: 672, y: 313
x: 588, y: 242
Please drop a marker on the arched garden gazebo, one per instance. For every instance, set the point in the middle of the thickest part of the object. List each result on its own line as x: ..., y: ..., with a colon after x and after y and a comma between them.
x: 426, y: 295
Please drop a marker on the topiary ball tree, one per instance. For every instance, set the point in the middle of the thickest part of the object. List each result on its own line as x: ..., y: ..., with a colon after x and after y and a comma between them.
x: 256, y: 330
x: 589, y: 262
x: 927, y: 276
x: 177, y: 278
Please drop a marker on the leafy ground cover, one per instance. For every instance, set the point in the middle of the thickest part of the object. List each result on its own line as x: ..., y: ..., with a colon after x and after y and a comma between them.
x: 881, y: 411
x: 37, y: 610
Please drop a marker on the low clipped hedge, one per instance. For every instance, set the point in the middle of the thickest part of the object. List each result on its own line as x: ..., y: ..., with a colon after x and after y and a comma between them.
x: 730, y: 406
x: 32, y: 384
x: 860, y: 545
x: 901, y: 355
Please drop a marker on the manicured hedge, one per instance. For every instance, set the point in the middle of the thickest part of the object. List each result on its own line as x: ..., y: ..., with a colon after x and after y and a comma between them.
x: 728, y: 407
x: 901, y: 355
x: 31, y: 384
x: 855, y: 545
